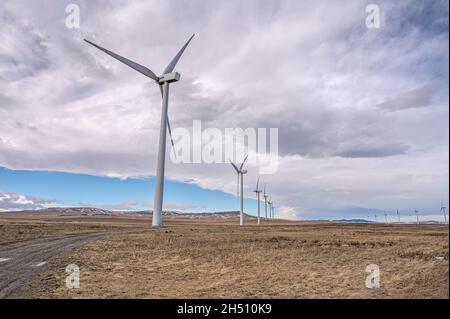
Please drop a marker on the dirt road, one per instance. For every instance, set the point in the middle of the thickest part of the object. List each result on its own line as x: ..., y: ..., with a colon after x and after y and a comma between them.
x: 21, y: 261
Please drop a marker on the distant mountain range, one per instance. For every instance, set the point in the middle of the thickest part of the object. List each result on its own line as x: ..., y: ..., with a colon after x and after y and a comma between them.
x: 372, y: 222
x: 226, y: 215
x: 351, y: 221
x: 92, y: 211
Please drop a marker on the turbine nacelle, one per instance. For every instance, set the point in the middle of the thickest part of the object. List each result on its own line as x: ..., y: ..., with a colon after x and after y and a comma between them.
x: 169, y: 77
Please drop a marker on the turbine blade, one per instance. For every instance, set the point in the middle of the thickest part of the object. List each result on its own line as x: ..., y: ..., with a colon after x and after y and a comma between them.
x: 240, y: 168
x: 257, y: 184
x: 170, y: 134
x: 141, y: 69
x: 174, y: 61
x: 168, y: 122
x: 235, y: 167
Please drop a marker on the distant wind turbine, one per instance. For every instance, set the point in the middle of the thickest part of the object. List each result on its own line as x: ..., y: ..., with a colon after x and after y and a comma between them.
x: 443, y: 209
x: 265, y: 200
x: 375, y: 218
x: 270, y: 207
x: 162, y: 81
x: 273, y: 211
x: 417, y: 215
x: 240, y: 173
x: 385, y: 217
x: 258, y: 192
x: 398, y: 214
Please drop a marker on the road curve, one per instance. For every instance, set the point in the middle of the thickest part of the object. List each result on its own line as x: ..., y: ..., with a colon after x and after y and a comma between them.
x: 19, y: 262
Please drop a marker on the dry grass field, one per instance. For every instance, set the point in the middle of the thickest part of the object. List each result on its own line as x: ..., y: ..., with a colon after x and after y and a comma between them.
x: 20, y: 231
x: 211, y: 259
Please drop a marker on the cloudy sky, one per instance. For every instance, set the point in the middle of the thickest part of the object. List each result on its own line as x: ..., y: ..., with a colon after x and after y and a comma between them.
x: 362, y: 113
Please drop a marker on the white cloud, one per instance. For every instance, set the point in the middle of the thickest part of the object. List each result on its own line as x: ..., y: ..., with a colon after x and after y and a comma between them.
x: 16, y: 202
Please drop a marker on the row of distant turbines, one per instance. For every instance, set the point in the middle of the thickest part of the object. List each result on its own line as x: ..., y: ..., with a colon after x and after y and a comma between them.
x: 443, y: 211
x: 169, y: 76
x: 268, y: 201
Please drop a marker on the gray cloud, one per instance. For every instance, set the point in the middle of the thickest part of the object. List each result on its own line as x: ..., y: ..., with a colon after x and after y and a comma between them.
x: 373, y: 151
x: 420, y: 97
x: 6, y: 102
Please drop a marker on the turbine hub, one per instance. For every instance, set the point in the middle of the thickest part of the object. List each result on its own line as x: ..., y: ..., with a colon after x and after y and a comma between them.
x: 169, y: 77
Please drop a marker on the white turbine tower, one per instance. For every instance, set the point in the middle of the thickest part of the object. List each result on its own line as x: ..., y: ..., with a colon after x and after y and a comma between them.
x: 417, y: 215
x: 443, y: 209
x: 270, y: 207
x: 265, y: 200
x: 385, y: 217
x: 398, y: 215
x: 240, y: 173
x: 168, y: 76
x: 273, y: 211
x: 258, y: 192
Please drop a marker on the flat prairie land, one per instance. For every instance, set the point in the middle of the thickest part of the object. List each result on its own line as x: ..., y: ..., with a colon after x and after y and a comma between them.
x: 211, y: 259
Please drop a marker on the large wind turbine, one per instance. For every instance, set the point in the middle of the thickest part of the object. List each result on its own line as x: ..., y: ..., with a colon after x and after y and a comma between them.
x: 443, y: 208
x: 241, y: 173
x: 257, y: 191
x: 398, y: 214
x: 385, y: 217
x: 168, y: 76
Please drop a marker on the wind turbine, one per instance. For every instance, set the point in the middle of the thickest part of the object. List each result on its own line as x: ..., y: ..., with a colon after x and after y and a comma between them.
x: 375, y: 218
x: 398, y: 214
x: 443, y: 208
x: 240, y: 173
x: 368, y: 218
x: 168, y: 76
x: 265, y: 200
x: 385, y: 217
x: 273, y: 211
x: 257, y: 191
x: 417, y: 215
x: 270, y: 207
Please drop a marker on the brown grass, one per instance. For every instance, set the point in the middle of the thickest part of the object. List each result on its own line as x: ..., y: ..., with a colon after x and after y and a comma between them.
x: 19, y: 231
x: 294, y: 260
